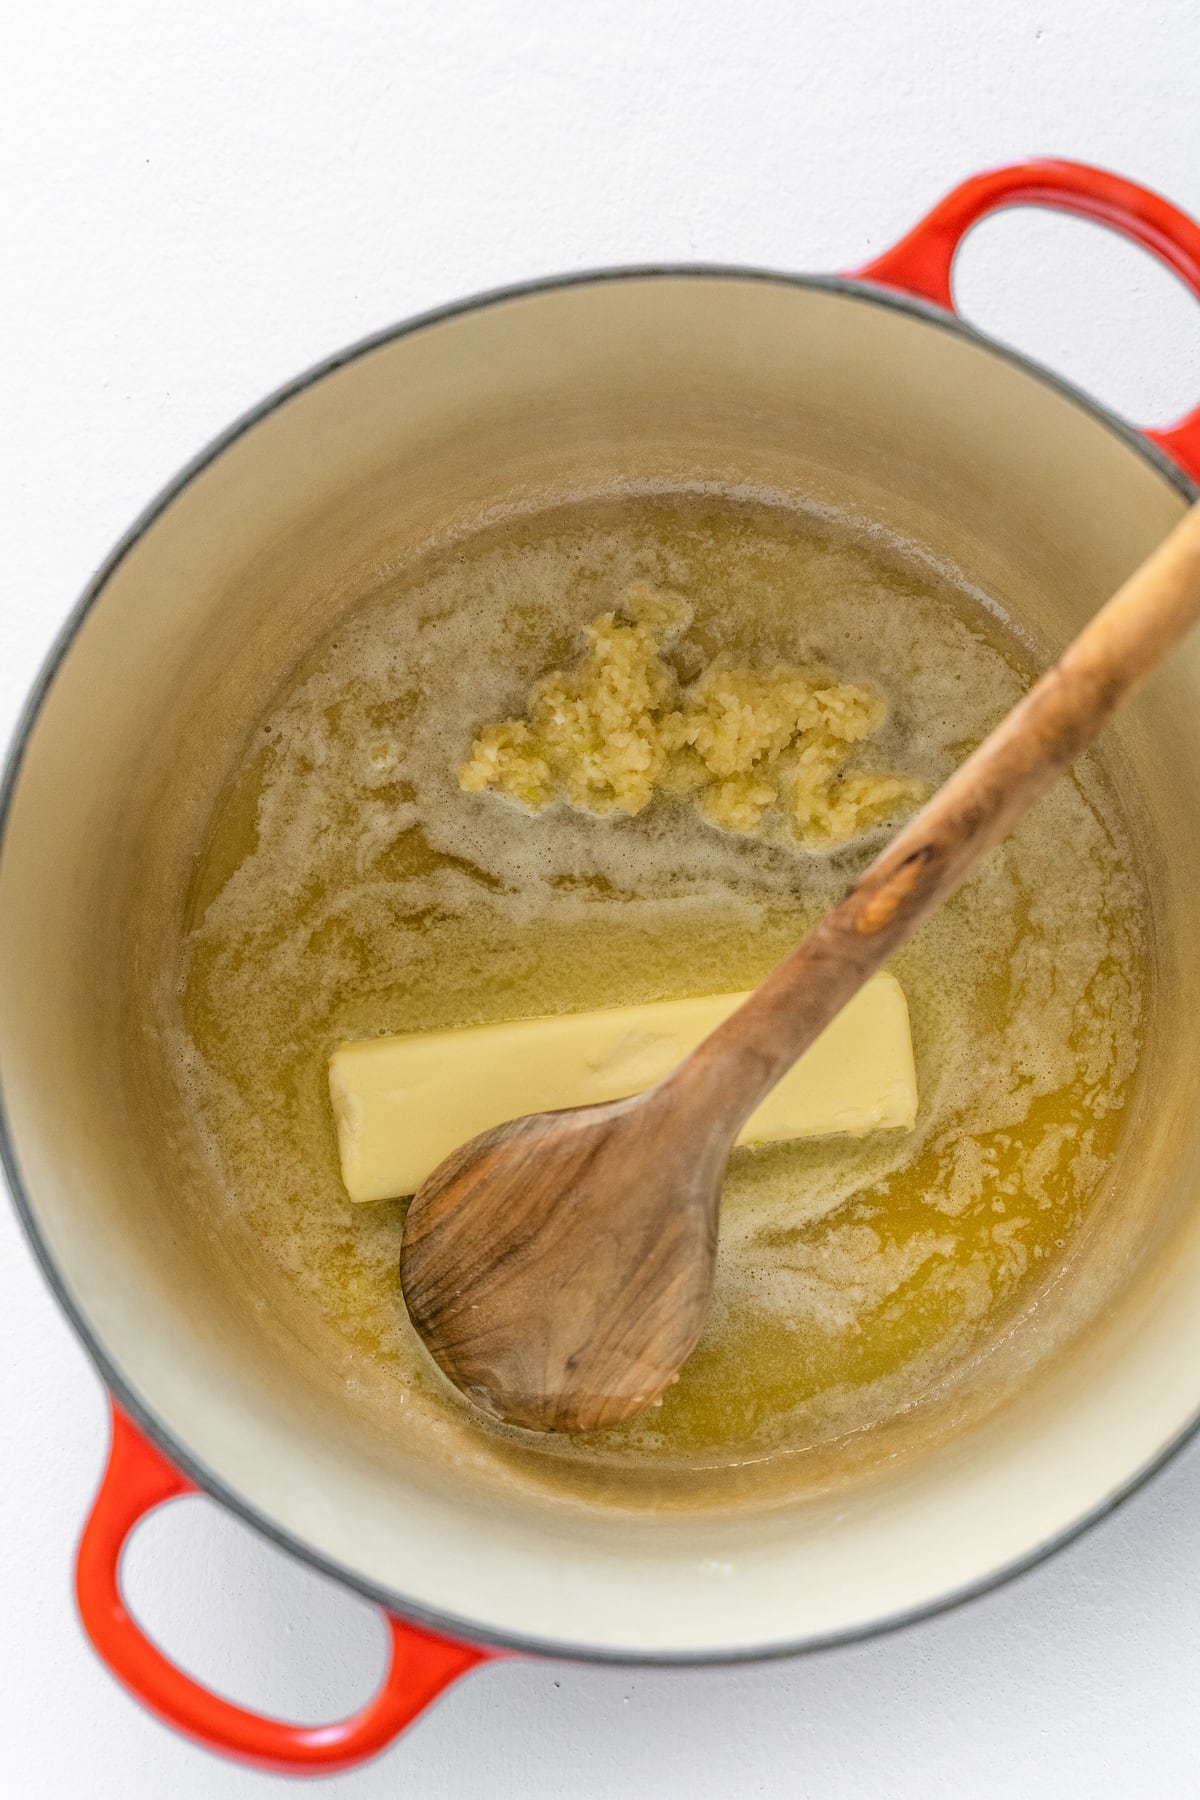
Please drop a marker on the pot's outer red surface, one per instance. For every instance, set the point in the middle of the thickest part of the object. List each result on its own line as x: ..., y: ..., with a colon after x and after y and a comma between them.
x: 139, y: 1477
x: 922, y: 263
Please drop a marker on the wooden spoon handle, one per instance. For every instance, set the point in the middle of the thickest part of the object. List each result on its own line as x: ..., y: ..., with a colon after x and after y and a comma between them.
x: 728, y: 1074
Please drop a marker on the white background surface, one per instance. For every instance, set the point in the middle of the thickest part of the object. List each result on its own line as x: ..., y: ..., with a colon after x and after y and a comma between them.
x: 199, y: 203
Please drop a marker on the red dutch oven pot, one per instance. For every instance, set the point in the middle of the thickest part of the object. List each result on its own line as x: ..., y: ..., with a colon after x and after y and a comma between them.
x: 905, y: 294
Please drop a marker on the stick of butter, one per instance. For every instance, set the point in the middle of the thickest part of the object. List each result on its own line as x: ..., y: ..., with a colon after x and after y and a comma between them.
x: 403, y: 1103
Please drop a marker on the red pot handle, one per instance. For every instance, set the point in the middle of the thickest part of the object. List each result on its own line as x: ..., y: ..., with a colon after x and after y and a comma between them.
x: 922, y: 262
x: 138, y: 1478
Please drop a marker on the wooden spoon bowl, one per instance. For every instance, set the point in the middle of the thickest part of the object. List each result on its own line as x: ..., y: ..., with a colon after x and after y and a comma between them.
x: 541, y: 1317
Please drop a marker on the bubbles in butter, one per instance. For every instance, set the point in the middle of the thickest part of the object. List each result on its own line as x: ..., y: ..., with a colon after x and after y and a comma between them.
x: 351, y: 886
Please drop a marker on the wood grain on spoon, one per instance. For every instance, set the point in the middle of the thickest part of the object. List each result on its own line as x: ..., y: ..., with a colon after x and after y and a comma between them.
x: 559, y: 1268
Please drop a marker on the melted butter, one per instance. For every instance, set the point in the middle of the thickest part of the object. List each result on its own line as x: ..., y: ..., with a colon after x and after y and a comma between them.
x: 349, y: 887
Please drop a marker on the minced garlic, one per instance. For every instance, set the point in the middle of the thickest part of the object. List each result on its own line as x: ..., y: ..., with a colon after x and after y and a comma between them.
x: 753, y: 745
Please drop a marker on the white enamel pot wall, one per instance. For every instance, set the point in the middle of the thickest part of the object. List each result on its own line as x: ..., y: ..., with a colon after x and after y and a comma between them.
x: 846, y: 392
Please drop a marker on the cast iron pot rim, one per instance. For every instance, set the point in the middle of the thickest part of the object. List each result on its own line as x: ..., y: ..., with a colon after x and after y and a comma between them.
x: 122, y: 1391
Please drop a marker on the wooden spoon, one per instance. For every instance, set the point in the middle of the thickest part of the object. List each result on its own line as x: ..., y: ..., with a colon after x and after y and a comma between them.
x: 559, y: 1268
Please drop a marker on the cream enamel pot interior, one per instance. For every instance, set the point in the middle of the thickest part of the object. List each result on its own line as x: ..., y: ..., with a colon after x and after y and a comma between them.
x: 838, y: 391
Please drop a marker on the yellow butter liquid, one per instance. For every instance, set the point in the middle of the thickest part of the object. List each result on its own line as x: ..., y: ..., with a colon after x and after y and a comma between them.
x: 350, y: 887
